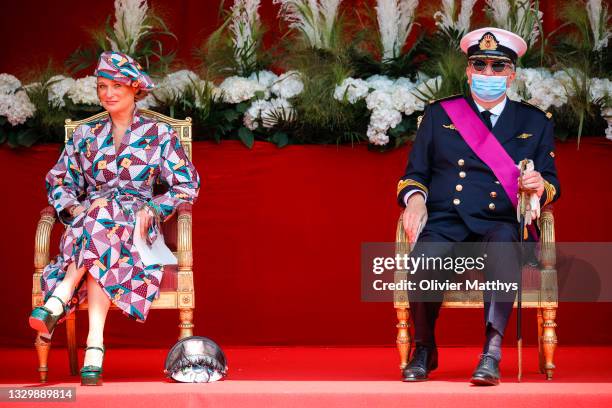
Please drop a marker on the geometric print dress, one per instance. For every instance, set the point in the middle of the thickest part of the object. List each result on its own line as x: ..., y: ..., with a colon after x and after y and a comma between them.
x: 100, y: 238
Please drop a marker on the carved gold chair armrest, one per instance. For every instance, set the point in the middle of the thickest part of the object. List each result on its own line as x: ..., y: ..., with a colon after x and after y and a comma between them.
x: 548, y: 259
x: 41, y: 251
x: 184, y: 254
x: 400, y: 298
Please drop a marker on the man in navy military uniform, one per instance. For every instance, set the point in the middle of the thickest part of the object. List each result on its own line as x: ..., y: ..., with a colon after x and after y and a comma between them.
x: 461, y: 185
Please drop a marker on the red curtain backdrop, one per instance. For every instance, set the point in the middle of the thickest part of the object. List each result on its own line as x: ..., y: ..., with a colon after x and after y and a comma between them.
x: 277, y: 236
x: 33, y: 32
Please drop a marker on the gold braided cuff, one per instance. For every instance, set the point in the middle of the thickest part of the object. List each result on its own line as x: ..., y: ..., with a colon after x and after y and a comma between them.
x: 409, y: 182
x: 551, y: 191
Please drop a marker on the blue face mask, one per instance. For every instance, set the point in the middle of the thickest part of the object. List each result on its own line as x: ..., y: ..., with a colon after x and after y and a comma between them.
x: 488, y: 88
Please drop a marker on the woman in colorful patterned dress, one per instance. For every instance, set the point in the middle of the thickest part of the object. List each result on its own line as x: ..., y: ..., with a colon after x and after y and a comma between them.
x: 102, y: 183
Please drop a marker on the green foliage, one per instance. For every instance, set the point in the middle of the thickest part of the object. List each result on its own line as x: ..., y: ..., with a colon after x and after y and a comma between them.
x: 221, y: 57
x: 574, y: 52
x: 151, y: 52
x: 444, y: 58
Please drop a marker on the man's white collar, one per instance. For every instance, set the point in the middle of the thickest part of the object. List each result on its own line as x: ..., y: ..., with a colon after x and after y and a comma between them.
x: 496, y: 110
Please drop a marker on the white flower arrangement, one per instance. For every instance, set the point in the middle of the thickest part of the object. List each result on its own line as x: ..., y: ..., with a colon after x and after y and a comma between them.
x: 57, y: 88
x: 449, y: 19
x: 379, y: 99
x: 264, y: 78
x: 539, y: 87
x: 174, y: 85
x: 16, y: 107
x: 84, y: 91
x: 395, y: 19
x: 237, y: 89
x: 147, y: 102
x: 351, y: 90
x: 129, y: 26
x: 380, y: 82
x: 387, y: 100
x: 382, y: 120
x: 268, y: 113
x: 607, y: 115
x: 288, y: 85
x: 9, y: 84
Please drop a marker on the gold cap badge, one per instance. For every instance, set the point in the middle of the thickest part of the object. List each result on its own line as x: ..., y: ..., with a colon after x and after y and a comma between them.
x: 488, y: 42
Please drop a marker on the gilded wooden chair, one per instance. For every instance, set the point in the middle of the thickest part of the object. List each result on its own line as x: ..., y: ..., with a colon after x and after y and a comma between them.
x: 176, y: 291
x: 539, y: 292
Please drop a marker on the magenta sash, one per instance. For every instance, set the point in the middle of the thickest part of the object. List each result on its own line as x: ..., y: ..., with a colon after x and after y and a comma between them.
x: 484, y: 144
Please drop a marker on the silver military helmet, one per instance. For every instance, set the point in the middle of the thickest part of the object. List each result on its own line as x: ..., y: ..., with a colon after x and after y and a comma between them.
x: 196, y: 359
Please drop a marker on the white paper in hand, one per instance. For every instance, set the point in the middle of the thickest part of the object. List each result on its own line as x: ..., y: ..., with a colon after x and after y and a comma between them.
x: 157, y: 253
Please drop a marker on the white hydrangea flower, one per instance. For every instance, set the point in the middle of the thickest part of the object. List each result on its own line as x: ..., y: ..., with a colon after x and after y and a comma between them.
x: 288, y: 85
x: 548, y: 92
x: 377, y: 137
x: 84, y: 91
x: 379, y: 100
x: 16, y: 107
x: 253, y: 114
x: 380, y: 82
x: 606, y: 113
x: 404, y: 100
x: 8, y: 84
x: 268, y: 112
x: 147, y: 102
x: 382, y: 120
x: 600, y: 88
x: 238, y: 89
x: 404, y: 83
x: 352, y: 89
x: 569, y: 78
x: 539, y: 87
x: 279, y: 108
x: 174, y: 85
x: 57, y: 87
x: 265, y: 78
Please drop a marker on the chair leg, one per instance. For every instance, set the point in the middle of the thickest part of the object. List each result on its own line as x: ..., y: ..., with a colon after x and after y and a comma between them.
x: 185, y: 323
x: 71, y: 342
x: 42, y: 349
x: 540, y: 345
x: 403, y: 335
x: 549, y: 339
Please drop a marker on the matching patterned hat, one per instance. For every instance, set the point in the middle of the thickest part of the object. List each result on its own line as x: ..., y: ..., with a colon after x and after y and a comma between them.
x: 123, y: 68
x: 490, y: 42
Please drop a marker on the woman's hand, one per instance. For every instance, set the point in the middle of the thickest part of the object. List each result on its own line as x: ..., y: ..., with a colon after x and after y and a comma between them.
x: 532, y: 181
x: 75, y: 210
x: 146, y: 219
x: 415, y: 216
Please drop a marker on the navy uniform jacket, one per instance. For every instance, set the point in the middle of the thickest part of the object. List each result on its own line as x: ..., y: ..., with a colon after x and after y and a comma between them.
x: 463, y: 194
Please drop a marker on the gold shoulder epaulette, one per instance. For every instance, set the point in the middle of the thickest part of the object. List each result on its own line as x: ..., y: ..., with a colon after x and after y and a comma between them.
x: 547, y: 114
x: 432, y: 101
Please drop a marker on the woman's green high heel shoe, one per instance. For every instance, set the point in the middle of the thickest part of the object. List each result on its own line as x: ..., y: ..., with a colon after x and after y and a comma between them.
x: 92, y: 375
x: 43, y: 320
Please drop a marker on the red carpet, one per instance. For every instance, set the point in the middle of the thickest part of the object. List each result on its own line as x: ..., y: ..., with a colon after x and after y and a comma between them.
x: 327, y: 377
